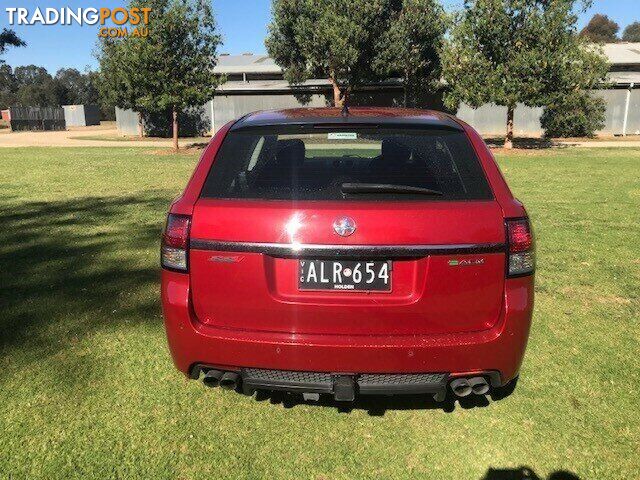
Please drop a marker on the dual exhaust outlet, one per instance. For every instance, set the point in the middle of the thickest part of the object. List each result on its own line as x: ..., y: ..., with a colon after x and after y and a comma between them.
x: 466, y: 386
x: 218, y: 378
x: 461, y: 387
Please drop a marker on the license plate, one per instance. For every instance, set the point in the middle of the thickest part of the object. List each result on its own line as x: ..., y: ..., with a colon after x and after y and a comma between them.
x: 344, y: 275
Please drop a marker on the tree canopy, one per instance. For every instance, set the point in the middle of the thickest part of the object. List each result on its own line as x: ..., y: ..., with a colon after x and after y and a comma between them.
x: 31, y: 85
x: 410, y: 47
x: 9, y: 38
x: 171, y: 69
x: 601, y: 29
x: 517, y: 51
x: 329, y: 39
x: 632, y: 32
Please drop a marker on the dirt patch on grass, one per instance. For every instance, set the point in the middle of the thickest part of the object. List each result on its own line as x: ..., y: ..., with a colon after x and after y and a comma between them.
x: 587, y: 292
x: 613, y: 300
x: 518, y: 151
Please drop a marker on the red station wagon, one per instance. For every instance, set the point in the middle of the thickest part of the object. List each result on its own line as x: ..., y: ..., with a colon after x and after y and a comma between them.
x: 377, y: 251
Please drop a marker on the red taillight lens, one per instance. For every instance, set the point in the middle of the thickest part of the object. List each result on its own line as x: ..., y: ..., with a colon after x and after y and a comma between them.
x: 175, y: 242
x: 522, y: 258
x: 520, y: 237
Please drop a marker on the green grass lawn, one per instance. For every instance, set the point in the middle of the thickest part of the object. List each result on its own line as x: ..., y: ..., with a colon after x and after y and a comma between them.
x: 87, y: 388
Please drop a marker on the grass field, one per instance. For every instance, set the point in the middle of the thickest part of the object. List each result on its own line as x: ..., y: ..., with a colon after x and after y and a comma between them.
x: 87, y: 388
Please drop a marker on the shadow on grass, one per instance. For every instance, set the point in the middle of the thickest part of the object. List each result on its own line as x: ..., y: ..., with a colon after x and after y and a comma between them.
x: 375, y: 405
x: 525, y: 143
x: 525, y: 473
x: 72, y: 267
x: 378, y: 405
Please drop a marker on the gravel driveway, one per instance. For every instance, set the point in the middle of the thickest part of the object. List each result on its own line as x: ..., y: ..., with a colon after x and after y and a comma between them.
x: 72, y: 138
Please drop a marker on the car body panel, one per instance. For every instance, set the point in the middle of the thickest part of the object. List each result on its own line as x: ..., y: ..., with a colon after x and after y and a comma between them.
x: 245, y: 310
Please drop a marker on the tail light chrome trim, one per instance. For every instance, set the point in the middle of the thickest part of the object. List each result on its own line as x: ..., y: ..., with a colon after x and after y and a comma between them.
x: 288, y: 250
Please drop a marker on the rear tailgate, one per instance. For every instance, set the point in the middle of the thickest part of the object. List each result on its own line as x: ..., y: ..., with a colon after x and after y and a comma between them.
x: 241, y: 277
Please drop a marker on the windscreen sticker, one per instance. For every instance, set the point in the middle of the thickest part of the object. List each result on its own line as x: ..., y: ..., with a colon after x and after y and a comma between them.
x: 342, y: 136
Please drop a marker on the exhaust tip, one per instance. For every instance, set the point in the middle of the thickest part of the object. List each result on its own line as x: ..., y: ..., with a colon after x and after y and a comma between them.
x: 229, y: 381
x: 461, y: 387
x: 212, y: 378
x: 479, y: 385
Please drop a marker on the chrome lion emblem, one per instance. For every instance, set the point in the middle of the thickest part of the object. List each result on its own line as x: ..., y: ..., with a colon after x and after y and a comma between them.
x: 344, y: 226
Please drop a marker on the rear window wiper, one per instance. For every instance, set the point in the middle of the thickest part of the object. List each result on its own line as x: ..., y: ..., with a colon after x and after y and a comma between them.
x: 386, y: 188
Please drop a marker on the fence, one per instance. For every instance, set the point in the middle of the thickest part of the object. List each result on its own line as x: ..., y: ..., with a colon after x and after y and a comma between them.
x: 37, y: 118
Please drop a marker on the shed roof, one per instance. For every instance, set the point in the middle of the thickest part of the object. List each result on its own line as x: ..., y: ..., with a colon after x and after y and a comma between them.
x: 246, y: 63
x: 624, y: 53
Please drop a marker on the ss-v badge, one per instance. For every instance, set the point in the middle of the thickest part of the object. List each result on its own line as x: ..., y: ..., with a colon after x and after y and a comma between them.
x: 466, y: 262
x: 226, y: 258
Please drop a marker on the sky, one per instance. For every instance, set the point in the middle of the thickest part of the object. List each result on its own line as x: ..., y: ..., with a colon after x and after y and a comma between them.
x: 243, y: 24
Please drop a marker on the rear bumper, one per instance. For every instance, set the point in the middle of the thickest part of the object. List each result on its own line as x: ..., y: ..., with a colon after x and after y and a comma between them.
x: 500, y: 348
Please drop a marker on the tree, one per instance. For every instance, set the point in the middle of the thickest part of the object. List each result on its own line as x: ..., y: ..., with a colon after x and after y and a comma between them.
x: 79, y: 88
x: 632, y: 32
x: 171, y: 68
x: 411, y: 45
x: 8, y: 86
x: 9, y: 38
x: 35, y: 87
x: 517, y: 51
x: 578, y: 114
x: 601, y: 29
x: 330, y: 39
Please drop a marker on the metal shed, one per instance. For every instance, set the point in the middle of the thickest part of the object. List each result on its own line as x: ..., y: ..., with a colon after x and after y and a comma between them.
x: 81, y: 115
x: 256, y: 82
x: 37, y: 118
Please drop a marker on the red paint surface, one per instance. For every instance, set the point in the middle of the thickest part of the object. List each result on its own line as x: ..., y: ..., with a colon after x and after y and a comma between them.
x: 437, y: 318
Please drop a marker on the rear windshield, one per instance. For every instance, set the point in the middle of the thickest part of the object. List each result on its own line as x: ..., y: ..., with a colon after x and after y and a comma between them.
x: 306, y: 163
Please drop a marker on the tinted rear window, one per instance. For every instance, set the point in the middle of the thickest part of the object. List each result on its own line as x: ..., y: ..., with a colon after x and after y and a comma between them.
x: 306, y: 163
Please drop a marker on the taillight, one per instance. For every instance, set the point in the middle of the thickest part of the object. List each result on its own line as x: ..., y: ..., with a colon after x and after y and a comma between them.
x: 175, y: 242
x: 521, y: 248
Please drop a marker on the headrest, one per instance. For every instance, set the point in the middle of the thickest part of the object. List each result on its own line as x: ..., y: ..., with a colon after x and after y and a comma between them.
x: 393, y: 152
x: 290, y: 152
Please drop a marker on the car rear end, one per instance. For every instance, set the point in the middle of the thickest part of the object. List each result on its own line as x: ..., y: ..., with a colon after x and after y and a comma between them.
x: 377, y: 253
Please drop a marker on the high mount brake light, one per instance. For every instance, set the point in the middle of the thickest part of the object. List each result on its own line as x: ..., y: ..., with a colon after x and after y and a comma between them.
x: 175, y: 242
x: 521, y: 255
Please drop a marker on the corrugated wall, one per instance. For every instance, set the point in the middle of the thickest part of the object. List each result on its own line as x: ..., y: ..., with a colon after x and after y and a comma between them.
x: 227, y: 107
x: 127, y: 121
x: 614, y: 115
x: 633, y: 119
x: 37, y: 118
x: 92, y: 114
x: 230, y: 107
x: 74, y: 115
x: 492, y: 119
x: 488, y: 120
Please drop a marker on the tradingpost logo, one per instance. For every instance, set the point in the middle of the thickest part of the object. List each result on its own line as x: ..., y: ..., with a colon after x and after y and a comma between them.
x: 138, y: 18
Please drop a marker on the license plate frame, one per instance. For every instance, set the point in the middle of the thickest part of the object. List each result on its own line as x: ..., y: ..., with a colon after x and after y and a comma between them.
x: 324, y: 276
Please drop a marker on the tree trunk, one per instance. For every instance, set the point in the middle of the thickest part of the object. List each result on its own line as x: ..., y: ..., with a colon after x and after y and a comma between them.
x: 175, y: 129
x: 508, y: 141
x: 140, y: 125
x: 337, y: 94
x: 406, y: 87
